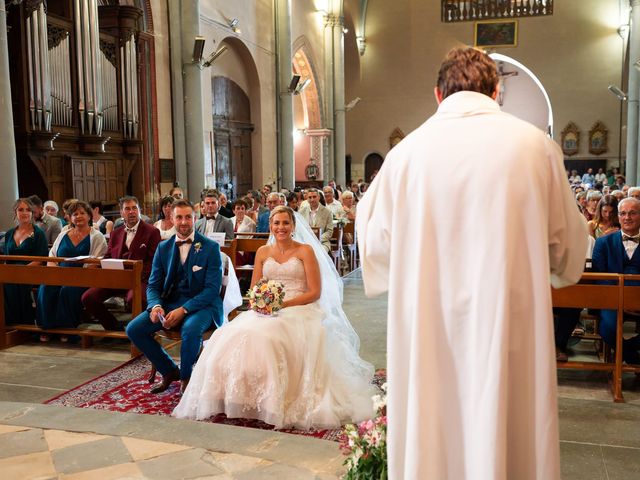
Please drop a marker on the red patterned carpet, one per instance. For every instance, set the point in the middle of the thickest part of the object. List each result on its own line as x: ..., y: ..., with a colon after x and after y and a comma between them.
x: 125, y: 389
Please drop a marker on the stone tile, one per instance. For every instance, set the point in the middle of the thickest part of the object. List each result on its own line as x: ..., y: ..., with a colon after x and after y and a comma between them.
x: 128, y: 471
x: 24, y: 467
x: 192, y: 463
x: 57, y: 439
x: 598, y: 422
x: 22, y: 443
x: 621, y: 463
x: 91, y: 456
x: 233, y: 463
x: 145, y: 449
x: 27, y: 393
x: 11, y: 428
x: 579, y: 461
x: 276, y: 471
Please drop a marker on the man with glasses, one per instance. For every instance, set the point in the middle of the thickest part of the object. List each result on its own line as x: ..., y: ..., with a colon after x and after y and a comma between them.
x: 618, y: 253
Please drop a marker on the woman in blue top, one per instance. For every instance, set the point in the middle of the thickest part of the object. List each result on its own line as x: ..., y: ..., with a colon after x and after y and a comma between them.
x: 23, y: 239
x: 61, y: 306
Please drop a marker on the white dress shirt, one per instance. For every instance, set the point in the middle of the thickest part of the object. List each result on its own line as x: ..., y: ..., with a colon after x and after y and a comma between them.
x: 185, y: 247
x: 209, y: 224
x: 131, y: 232
x: 630, y: 246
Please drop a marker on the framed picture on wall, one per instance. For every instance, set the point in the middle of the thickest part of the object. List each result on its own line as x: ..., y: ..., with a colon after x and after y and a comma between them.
x: 496, y: 33
x: 167, y: 170
x: 570, y: 139
x: 598, y: 139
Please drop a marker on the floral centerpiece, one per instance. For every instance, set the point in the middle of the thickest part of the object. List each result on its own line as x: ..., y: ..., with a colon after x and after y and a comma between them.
x: 266, y: 296
x: 365, y: 444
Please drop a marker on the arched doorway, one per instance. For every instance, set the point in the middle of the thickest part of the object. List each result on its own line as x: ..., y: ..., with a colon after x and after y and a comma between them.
x: 310, y: 136
x: 522, y: 94
x: 232, y: 129
x: 372, y: 164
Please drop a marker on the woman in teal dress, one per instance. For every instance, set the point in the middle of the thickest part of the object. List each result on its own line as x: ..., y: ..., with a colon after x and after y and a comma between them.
x: 24, y: 239
x: 61, y: 306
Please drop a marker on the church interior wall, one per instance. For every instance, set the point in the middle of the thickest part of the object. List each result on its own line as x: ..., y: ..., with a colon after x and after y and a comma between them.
x: 163, y: 84
x: 576, y: 53
x: 251, y: 64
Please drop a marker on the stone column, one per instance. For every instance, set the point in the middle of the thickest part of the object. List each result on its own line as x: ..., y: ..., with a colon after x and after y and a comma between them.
x: 286, y: 160
x: 631, y: 171
x: 8, y: 161
x: 338, y: 99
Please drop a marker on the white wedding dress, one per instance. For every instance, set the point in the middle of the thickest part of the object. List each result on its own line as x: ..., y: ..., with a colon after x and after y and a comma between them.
x: 285, y: 370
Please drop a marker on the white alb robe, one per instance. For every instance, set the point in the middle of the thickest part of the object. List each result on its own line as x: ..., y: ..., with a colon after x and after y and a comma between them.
x: 467, y: 224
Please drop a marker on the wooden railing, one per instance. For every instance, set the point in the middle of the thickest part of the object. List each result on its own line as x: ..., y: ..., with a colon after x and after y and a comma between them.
x: 127, y: 279
x: 591, y: 292
x: 470, y: 10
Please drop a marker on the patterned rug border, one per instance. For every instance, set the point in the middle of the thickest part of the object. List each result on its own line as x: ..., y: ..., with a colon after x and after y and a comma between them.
x: 125, y: 389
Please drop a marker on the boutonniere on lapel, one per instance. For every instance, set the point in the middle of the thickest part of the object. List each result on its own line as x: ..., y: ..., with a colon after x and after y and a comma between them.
x: 197, y: 246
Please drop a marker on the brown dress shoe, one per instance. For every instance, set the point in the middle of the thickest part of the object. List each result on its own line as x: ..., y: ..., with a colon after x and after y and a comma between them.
x: 561, y: 356
x: 167, y: 380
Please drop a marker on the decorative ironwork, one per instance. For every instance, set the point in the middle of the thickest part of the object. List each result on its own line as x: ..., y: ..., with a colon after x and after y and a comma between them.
x: 109, y: 51
x: 471, y: 10
x: 55, y: 35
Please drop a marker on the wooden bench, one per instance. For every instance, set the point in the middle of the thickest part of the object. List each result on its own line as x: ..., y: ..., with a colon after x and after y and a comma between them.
x: 612, y: 296
x: 127, y: 279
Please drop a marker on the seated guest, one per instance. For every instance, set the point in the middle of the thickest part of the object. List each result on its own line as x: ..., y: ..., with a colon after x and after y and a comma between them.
x: 605, y: 220
x: 318, y: 216
x: 99, y: 221
x: 273, y: 200
x: 593, y: 197
x: 331, y: 203
x: 66, y: 220
x: 23, y: 239
x: 51, y: 207
x: 135, y: 241
x: 349, y: 205
x: 61, y: 306
x: 251, y: 213
x: 211, y: 220
x: 292, y: 201
x: 165, y: 223
x: 619, y: 194
x: 241, y: 222
x: 176, y: 193
x: 634, y: 192
x: 51, y: 226
x: 183, y: 293
x: 618, y: 253
x: 225, y: 211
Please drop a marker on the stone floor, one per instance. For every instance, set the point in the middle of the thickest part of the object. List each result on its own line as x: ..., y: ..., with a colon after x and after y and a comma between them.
x: 599, y: 439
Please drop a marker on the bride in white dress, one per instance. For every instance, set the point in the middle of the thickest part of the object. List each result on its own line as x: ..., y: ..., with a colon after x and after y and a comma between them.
x: 300, y: 368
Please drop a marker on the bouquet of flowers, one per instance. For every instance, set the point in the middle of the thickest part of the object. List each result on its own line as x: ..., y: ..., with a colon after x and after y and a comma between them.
x: 365, y: 444
x: 266, y: 296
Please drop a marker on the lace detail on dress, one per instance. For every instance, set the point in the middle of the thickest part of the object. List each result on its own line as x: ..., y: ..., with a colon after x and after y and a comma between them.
x: 290, y: 273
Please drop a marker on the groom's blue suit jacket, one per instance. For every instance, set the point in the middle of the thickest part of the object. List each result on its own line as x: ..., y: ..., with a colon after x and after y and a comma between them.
x: 203, y: 268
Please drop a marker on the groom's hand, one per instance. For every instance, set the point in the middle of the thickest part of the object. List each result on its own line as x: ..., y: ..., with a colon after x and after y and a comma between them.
x: 174, y: 317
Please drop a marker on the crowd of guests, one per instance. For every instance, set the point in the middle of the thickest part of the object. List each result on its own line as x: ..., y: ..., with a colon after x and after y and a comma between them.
x: 612, y: 211
x: 80, y: 229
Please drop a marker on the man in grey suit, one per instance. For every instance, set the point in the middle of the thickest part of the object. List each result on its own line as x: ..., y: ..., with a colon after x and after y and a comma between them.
x: 211, y: 221
x: 52, y: 226
x: 319, y: 216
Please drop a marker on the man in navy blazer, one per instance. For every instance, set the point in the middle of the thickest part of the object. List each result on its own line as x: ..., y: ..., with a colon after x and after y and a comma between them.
x: 136, y: 240
x: 618, y: 253
x: 183, y: 293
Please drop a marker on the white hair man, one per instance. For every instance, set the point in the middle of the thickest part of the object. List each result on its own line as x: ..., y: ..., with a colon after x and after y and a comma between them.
x: 332, y: 204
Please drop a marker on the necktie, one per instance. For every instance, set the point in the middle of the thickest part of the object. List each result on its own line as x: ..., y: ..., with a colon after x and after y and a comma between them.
x: 630, y: 238
x: 179, y: 243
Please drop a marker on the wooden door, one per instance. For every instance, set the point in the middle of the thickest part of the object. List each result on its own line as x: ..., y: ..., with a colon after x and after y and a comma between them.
x: 372, y: 164
x: 232, y: 137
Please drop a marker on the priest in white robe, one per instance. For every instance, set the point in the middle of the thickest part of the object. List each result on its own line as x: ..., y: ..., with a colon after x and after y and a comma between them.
x: 467, y: 225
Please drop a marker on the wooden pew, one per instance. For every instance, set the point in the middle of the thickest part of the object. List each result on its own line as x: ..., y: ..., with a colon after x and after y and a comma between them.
x: 129, y: 278
x: 588, y: 294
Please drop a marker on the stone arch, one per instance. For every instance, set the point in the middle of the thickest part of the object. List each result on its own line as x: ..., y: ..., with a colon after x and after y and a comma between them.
x: 372, y: 163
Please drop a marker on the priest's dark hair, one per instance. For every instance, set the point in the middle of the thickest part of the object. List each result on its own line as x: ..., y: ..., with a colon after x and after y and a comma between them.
x: 467, y: 69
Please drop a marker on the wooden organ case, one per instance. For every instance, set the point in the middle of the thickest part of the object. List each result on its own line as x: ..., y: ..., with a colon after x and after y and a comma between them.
x: 75, y: 84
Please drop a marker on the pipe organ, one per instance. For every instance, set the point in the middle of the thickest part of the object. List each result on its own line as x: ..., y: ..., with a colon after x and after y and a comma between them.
x: 76, y: 95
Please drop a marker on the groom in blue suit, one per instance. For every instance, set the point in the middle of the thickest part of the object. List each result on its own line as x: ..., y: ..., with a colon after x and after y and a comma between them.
x: 183, y: 293
x: 619, y: 253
